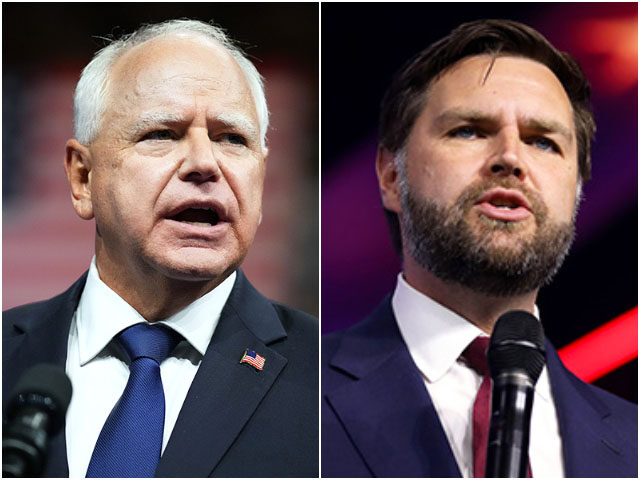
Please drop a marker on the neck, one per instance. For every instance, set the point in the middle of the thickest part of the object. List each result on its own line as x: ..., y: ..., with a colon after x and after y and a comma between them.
x: 478, y: 308
x: 153, y: 295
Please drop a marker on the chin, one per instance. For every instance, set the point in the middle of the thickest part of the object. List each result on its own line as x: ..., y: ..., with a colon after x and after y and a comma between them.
x: 199, y: 266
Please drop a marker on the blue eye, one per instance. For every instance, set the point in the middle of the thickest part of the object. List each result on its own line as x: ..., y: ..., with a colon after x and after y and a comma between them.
x: 544, y: 144
x: 464, y: 132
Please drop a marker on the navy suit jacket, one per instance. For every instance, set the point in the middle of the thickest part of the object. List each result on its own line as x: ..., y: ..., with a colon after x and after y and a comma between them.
x: 378, y: 419
x: 236, y: 421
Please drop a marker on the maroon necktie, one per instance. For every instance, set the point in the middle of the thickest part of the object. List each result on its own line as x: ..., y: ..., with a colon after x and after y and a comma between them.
x: 476, y: 357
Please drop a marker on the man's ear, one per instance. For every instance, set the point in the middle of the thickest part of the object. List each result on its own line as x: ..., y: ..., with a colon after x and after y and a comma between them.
x: 388, y: 179
x: 265, y: 155
x: 77, y: 165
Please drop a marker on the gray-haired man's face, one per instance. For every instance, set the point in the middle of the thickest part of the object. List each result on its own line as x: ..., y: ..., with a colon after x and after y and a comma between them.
x: 177, y: 168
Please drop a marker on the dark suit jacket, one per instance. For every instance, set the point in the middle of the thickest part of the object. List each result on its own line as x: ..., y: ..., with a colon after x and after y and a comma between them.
x: 235, y: 421
x: 378, y: 419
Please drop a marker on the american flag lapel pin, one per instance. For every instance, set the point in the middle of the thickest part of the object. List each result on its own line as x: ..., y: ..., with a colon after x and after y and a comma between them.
x: 253, y: 359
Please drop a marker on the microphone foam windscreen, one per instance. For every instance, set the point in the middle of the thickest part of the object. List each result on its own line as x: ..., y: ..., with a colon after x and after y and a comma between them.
x: 43, y: 386
x: 517, y: 343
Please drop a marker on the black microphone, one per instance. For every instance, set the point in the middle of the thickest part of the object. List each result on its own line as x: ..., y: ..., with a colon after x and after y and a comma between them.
x: 516, y: 358
x: 36, y: 411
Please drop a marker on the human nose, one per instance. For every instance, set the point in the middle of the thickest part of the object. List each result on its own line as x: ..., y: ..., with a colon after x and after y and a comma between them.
x: 200, y: 163
x: 506, y: 158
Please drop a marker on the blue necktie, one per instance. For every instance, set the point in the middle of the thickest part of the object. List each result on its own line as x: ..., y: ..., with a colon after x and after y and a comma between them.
x: 130, y: 442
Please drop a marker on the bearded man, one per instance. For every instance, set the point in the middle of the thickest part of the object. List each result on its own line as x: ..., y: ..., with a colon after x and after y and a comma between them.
x: 484, y: 147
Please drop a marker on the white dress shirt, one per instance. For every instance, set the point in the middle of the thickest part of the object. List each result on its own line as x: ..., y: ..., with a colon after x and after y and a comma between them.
x: 436, y: 337
x: 99, y: 371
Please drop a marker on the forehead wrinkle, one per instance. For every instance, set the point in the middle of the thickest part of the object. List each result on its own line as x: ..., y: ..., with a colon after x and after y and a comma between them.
x: 144, y: 88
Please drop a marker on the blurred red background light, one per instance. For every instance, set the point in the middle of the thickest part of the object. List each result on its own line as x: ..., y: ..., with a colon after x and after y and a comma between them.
x: 604, y: 349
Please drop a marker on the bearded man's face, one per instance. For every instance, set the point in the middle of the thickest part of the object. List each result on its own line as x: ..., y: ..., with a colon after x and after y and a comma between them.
x: 488, y: 179
x: 446, y: 243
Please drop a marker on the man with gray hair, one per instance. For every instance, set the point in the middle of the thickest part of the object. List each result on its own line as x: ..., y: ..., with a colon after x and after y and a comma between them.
x: 179, y: 366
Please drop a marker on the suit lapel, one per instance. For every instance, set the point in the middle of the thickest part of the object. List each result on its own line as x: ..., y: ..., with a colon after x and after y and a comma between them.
x: 43, y: 339
x: 386, y: 409
x: 591, y: 447
x: 225, y: 393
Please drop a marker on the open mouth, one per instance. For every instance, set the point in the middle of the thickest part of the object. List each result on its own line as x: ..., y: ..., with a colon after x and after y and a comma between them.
x: 504, y: 199
x: 506, y: 205
x: 202, y: 217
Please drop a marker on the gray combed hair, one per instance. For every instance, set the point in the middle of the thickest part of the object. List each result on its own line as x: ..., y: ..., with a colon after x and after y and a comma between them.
x: 89, y: 102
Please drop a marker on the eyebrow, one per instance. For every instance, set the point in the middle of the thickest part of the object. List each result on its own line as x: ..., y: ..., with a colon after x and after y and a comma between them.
x: 548, y: 126
x: 151, y: 120
x: 235, y: 121
x: 475, y: 116
x: 459, y: 115
x: 238, y: 121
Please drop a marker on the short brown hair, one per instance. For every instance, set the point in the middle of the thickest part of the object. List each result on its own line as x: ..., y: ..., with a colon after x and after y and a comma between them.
x: 407, y: 94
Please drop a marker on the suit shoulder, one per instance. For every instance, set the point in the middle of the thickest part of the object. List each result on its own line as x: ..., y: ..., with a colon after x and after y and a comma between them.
x: 296, y: 320
x: 12, y: 319
x: 302, y: 341
x: 24, y: 310
x: 330, y: 343
x: 29, y: 308
x: 378, y: 326
x: 619, y: 406
x: 16, y: 319
x: 619, y: 414
x: 600, y: 399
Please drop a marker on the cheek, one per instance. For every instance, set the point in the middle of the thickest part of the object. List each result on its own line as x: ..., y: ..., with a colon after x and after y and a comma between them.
x: 560, y: 181
x: 440, y: 174
x: 127, y: 194
x: 246, y: 179
x: 119, y: 204
x: 560, y: 196
x: 251, y: 198
x: 569, y: 200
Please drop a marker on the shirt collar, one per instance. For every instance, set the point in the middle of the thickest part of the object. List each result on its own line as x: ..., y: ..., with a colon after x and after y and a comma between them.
x: 435, y: 335
x: 102, y: 314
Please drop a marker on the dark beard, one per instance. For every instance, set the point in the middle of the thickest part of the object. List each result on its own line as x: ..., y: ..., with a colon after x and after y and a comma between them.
x: 443, y: 241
